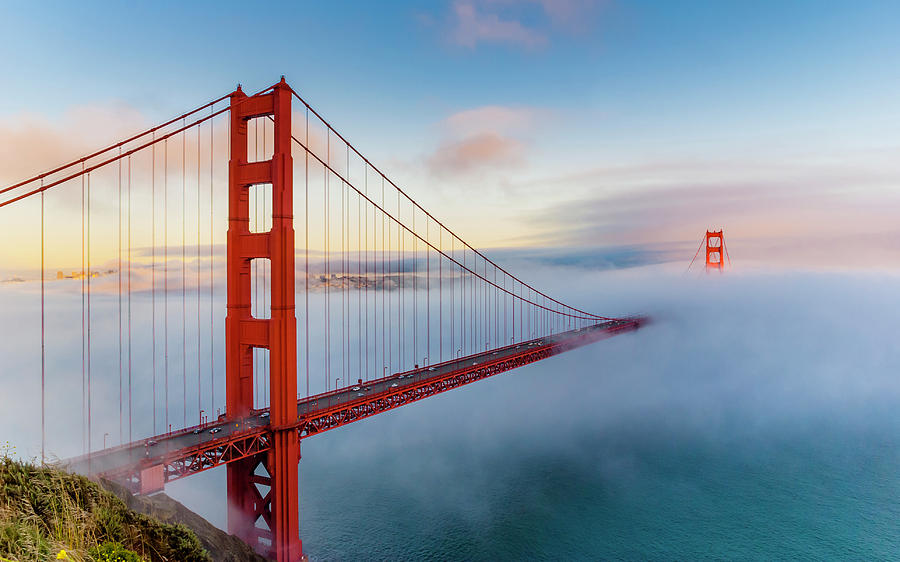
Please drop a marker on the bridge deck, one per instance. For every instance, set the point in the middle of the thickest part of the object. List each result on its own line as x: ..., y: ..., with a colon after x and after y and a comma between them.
x: 167, y: 457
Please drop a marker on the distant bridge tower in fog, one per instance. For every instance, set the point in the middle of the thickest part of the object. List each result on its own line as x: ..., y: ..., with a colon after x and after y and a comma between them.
x: 715, y: 245
x: 716, y: 251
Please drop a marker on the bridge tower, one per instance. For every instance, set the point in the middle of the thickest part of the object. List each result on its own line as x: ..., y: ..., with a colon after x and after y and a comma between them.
x: 267, y: 518
x: 715, y: 246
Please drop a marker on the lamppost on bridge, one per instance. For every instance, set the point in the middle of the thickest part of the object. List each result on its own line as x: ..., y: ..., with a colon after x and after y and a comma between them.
x: 336, y: 383
x: 104, y: 439
x: 459, y: 353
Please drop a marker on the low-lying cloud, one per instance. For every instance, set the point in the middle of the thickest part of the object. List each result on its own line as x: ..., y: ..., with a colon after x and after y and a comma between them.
x: 743, y: 364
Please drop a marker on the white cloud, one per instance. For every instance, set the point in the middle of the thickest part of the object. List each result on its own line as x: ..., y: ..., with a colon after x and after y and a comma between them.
x: 472, y: 27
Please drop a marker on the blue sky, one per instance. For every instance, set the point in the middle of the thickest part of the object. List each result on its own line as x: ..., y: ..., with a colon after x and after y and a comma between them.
x: 775, y: 59
x: 602, y: 99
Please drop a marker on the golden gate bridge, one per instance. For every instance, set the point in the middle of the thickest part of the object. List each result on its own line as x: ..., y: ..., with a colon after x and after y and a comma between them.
x: 393, y: 306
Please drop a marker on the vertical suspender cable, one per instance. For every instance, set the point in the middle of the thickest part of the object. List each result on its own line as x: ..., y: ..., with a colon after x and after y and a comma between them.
x: 153, y: 272
x: 345, y: 274
x: 488, y: 336
x: 166, y: 275
x: 341, y: 288
x: 119, y: 271
x: 43, y: 342
x: 427, y: 293
x: 89, y: 274
x: 306, y: 241
x: 212, y: 351
x: 326, y: 175
x: 346, y: 268
x: 183, y: 277
x: 452, y: 303
x: 366, y: 207
x: 385, y: 334
x: 415, y: 275
x: 199, y: 406
x: 83, y: 325
x: 358, y: 281
x: 373, y: 263
x: 724, y: 247
x: 401, y: 298
x: 359, y: 287
x: 440, y: 294
x: 496, y: 312
x: 129, y: 302
x: 345, y: 329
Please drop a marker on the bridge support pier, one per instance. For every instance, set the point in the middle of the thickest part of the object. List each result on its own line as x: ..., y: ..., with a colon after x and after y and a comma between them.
x: 254, y: 483
x: 263, y: 491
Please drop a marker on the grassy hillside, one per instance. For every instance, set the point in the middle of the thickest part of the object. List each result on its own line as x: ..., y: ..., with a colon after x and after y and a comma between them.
x: 44, y: 511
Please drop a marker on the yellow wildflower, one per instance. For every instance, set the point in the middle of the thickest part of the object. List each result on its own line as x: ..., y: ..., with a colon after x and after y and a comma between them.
x: 62, y: 555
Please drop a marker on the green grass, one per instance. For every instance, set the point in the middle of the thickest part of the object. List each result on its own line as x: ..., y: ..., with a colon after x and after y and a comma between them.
x: 44, y: 510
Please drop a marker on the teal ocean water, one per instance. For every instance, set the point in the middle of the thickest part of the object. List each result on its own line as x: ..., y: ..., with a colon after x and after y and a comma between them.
x: 637, y: 493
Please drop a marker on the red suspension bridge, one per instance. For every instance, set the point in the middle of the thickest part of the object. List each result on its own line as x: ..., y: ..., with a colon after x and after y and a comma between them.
x: 393, y: 306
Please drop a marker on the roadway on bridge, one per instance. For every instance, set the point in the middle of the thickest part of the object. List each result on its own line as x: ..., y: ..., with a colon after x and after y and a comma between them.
x: 153, y: 450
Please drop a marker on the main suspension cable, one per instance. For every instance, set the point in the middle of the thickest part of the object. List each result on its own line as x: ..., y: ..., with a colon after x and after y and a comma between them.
x: 366, y: 160
x: 417, y: 236
x: 84, y: 159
